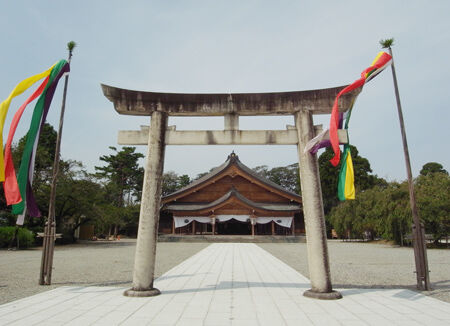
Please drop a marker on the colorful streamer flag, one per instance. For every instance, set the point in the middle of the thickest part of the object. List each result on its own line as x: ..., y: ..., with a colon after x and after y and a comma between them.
x: 11, y: 189
x: 346, y: 187
x: 346, y: 184
x: 382, y: 60
x: 317, y: 142
x: 346, y: 180
x: 26, y: 170
x: 4, y: 106
x: 321, y: 140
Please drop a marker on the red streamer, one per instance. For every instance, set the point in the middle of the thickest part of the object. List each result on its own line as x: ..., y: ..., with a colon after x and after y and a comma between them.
x: 10, y: 186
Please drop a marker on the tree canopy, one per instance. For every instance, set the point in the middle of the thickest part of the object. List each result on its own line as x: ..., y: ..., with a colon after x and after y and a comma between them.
x: 122, y: 180
x: 329, y: 177
x: 432, y: 167
x: 285, y: 176
x: 172, y: 182
x: 122, y: 175
x: 384, y: 211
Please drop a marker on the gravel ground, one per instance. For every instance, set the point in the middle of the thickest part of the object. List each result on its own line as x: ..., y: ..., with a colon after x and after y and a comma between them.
x: 371, y: 265
x: 361, y: 265
x: 94, y: 263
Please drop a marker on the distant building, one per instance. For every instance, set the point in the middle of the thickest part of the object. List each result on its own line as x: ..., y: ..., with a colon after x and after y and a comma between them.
x: 232, y: 200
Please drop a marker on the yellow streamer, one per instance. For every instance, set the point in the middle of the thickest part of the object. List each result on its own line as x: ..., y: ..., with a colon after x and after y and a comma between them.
x: 349, y: 179
x: 4, y: 106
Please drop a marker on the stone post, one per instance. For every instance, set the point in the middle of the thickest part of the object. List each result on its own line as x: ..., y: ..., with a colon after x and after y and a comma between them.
x: 144, y: 262
x: 231, y: 122
x: 319, y: 267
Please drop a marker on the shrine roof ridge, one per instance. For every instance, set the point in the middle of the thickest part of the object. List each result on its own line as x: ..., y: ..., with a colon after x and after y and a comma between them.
x: 232, y: 159
x: 233, y: 192
x: 319, y: 101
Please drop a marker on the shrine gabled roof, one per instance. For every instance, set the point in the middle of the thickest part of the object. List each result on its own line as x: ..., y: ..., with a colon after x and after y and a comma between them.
x: 231, y: 195
x: 232, y: 160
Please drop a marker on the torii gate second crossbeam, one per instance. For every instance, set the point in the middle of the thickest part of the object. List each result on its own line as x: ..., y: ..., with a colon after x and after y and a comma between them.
x: 301, y: 104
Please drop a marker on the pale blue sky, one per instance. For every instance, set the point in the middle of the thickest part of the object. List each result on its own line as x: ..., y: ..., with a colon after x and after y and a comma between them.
x: 237, y: 46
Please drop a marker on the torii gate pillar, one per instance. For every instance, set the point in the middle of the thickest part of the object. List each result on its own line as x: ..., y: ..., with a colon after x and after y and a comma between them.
x: 144, y: 261
x: 316, y: 238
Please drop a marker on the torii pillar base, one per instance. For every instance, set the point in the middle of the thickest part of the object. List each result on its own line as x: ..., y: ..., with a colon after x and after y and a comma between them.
x: 333, y: 295
x: 142, y: 293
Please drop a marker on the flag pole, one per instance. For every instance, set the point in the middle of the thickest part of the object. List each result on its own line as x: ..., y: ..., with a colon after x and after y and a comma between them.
x: 420, y: 248
x: 45, y: 277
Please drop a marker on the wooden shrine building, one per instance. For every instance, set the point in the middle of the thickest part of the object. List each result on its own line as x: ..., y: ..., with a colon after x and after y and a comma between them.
x: 232, y: 200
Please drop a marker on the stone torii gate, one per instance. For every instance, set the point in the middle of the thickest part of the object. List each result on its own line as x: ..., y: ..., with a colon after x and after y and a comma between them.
x: 301, y: 104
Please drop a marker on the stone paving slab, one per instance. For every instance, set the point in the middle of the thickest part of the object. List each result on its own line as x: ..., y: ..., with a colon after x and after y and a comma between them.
x: 226, y: 284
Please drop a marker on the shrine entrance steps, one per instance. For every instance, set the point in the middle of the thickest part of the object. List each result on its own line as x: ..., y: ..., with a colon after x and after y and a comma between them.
x: 231, y: 238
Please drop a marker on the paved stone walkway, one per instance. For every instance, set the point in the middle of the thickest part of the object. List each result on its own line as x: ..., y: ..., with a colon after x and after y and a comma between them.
x: 226, y: 284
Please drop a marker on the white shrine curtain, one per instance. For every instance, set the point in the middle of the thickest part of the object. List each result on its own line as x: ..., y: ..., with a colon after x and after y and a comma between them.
x: 240, y: 218
x: 282, y: 221
x: 185, y: 220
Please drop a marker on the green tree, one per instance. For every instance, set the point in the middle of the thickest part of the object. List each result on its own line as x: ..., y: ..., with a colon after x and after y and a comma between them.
x: 121, y: 175
x: 433, y: 200
x: 328, y: 180
x: 122, y: 184
x: 77, y: 199
x: 285, y: 176
x: 329, y: 177
x: 382, y: 211
x: 172, y: 182
x: 202, y: 174
x: 343, y: 218
x: 432, y: 167
x: 393, y: 212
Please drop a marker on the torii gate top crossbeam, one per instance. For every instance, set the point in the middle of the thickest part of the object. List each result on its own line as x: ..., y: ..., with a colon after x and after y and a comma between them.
x: 319, y: 101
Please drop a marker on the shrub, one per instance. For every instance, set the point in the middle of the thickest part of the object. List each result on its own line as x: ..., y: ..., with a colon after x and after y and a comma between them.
x: 25, y: 236
x: 6, y: 234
